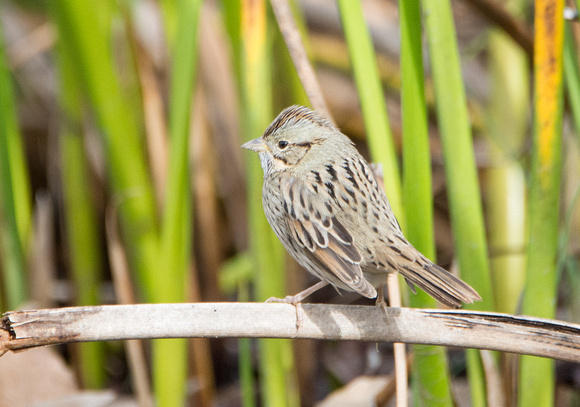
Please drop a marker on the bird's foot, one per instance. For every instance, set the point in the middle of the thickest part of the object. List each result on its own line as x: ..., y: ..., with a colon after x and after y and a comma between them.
x: 296, y: 300
x: 380, y: 302
x: 292, y: 300
x: 289, y: 299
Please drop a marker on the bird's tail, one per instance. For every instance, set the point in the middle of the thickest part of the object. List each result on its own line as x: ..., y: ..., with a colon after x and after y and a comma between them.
x: 437, y: 282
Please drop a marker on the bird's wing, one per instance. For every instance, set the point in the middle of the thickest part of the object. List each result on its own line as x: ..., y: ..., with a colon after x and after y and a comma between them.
x: 314, y: 228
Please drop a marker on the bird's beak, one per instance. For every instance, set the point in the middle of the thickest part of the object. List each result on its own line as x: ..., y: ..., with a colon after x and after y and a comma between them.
x: 256, y: 145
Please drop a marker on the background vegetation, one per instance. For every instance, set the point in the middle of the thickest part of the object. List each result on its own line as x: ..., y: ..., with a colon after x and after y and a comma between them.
x: 122, y: 180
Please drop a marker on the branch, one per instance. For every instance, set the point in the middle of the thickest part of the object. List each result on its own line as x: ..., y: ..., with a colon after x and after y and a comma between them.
x: 467, y: 329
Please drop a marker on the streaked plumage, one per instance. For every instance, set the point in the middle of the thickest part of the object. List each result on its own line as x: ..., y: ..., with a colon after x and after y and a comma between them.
x: 325, y: 205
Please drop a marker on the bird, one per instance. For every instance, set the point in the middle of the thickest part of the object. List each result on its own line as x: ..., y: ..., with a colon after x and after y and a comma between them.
x: 324, y: 203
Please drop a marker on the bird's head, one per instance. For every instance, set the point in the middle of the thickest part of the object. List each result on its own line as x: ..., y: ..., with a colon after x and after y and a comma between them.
x: 297, y: 136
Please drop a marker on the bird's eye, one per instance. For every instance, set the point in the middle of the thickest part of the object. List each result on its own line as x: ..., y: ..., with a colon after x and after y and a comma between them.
x: 282, y: 144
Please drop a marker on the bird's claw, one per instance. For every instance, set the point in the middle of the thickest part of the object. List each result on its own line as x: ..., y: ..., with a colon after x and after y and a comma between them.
x: 292, y: 300
x: 289, y: 299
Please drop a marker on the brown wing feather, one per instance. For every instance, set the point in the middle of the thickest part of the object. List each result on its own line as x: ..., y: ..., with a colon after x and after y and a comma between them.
x: 328, y: 241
